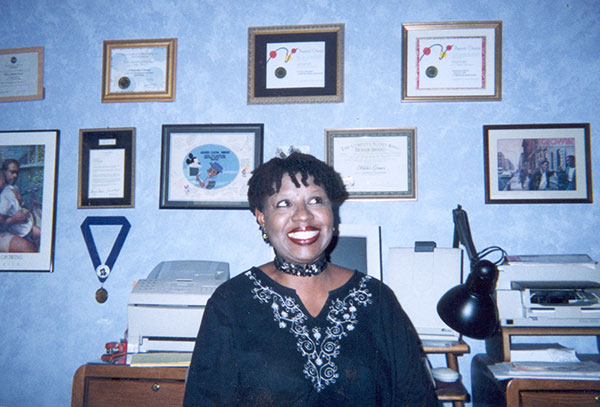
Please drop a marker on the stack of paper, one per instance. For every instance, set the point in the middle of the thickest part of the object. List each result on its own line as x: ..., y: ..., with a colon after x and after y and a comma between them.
x: 547, y: 370
x: 164, y: 359
x: 543, y: 352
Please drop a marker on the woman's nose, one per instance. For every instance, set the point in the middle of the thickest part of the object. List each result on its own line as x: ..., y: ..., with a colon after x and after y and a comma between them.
x: 302, y: 212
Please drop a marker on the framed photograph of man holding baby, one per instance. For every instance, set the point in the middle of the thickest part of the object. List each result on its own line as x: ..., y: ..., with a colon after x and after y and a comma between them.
x: 538, y: 163
x: 28, y: 175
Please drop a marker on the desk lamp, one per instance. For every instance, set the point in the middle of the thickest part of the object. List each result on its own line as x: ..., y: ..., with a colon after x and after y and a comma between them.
x: 470, y: 308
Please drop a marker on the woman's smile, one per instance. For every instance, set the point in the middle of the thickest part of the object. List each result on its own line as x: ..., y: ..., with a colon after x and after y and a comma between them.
x: 304, y: 235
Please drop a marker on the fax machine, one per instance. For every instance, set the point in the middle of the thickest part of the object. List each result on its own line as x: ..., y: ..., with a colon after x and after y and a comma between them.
x: 164, y: 310
x: 549, y: 291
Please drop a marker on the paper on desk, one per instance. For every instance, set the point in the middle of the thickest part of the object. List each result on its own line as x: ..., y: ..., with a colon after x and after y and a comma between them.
x: 551, y: 352
x: 587, y: 370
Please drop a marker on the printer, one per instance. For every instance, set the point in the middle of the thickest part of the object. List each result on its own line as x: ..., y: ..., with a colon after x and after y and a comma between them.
x: 549, y: 291
x: 164, y: 310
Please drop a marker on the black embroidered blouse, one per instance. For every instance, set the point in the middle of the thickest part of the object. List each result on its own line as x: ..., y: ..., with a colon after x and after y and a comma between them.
x: 259, y: 346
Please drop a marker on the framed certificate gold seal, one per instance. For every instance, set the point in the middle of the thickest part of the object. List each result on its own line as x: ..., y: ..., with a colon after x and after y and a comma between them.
x: 139, y: 70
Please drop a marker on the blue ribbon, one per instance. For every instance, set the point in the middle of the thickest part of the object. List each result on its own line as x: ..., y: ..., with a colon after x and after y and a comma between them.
x: 117, y: 246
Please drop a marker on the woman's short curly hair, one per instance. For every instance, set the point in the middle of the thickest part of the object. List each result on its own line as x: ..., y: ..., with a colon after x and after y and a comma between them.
x: 266, y: 179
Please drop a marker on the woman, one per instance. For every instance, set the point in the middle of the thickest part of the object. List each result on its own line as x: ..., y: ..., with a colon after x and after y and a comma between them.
x: 300, y: 331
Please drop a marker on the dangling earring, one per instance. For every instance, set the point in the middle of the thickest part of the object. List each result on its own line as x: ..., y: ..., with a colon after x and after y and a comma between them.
x: 264, y: 235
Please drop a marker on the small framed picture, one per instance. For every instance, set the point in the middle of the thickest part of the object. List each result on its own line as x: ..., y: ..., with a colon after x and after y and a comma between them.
x: 21, y: 74
x: 139, y: 70
x: 296, y: 64
x: 453, y: 61
x: 207, y: 166
x: 537, y: 163
x: 375, y: 163
x: 106, y: 168
x: 28, y: 175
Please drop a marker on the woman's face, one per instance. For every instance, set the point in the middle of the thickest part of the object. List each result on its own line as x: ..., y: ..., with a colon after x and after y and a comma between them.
x: 299, y: 221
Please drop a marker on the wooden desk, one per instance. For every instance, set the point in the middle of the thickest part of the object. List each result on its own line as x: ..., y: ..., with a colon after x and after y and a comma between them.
x: 491, y: 392
x: 555, y: 393
x: 103, y: 385
x: 453, y: 392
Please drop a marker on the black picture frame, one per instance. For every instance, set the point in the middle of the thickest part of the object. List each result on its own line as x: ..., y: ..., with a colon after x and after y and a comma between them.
x: 189, y: 151
x: 259, y: 40
x: 106, y: 168
x: 514, y: 156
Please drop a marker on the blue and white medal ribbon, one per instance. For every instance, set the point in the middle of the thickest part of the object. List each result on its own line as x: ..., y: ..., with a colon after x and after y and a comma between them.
x: 103, y: 269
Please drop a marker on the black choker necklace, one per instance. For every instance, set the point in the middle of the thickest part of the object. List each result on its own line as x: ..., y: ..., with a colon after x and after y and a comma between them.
x: 302, y: 270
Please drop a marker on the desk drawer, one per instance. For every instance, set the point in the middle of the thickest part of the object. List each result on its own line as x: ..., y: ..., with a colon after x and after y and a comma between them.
x: 118, y: 392
x: 579, y: 398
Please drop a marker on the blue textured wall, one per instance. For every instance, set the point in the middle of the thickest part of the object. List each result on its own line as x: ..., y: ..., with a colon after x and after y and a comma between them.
x: 50, y: 323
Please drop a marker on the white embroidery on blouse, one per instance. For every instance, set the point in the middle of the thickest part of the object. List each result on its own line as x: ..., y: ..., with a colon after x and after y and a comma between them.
x: 320, y: 346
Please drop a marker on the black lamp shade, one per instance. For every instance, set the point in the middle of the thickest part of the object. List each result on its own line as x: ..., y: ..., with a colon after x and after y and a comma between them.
x: 470, y: 308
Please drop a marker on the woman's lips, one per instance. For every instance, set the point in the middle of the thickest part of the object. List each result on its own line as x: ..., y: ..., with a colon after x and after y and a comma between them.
x: 304, y: 236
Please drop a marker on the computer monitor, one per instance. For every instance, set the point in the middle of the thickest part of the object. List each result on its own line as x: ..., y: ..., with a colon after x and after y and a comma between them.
x: 357, y: 247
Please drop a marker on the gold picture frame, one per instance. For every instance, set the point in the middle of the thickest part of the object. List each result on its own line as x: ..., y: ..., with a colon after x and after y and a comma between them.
x: 139, y: 70
x: 375, y: 164
x: 318, y: 48
x: 452, y: 61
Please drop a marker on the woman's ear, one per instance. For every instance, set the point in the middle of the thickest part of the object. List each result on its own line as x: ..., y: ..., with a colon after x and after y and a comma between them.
x: 260, y: 217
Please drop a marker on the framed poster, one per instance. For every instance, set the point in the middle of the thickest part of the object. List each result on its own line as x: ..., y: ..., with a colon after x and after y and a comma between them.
x: 21, y: 74
x: 452, y: 61
x: 375, y: 163
x: 139, y: 70
x: 296, y: 64
x: 538, y: 163
x: 206, y: 166
x: 28, y: 175
x: 106, y: 168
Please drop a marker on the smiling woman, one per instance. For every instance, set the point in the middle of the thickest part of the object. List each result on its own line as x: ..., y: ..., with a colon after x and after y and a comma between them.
x: 301, y: 331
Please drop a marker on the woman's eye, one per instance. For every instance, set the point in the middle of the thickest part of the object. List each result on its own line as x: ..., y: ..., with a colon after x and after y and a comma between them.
x: 283, y: 204
x: 316, y: 200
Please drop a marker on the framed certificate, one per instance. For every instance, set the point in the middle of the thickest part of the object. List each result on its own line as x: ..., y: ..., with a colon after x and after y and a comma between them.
x: 207, y: 166
x: 30, y: 170
x: 106, y: 168
x: 452, y: 61
x: 296, y: 64
x: 21, y: 74
x: 537, y: 163
x: 139, y: 70
x: 375, y: 163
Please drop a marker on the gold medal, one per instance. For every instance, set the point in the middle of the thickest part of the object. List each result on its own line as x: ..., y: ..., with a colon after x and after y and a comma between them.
x: 101, y: 295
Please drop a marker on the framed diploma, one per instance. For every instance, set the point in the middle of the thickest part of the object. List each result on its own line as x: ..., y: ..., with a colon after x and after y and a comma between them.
x: 106, y: 168
x: 29, y: 171
x: 139, y: 70
x: 296, y: 64
x: 21, y: 74
x: 452, y: 61
x: 375, y: 163
x: 207, y: 166
x: 537, y: 163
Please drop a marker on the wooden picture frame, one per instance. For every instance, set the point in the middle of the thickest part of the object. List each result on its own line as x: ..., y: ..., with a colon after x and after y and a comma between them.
x: 21, y: 74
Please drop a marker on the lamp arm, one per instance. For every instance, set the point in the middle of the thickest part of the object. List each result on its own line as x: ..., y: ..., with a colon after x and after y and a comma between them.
x: 462, y: 233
